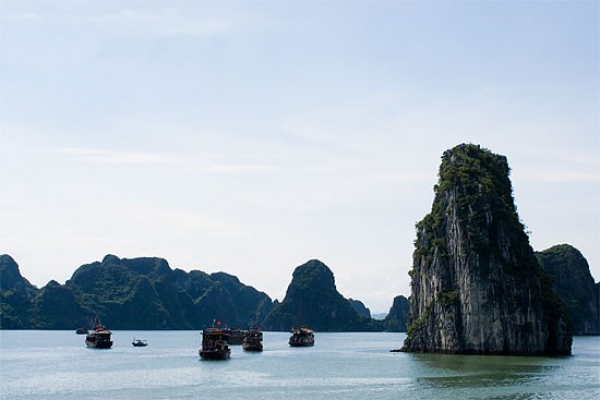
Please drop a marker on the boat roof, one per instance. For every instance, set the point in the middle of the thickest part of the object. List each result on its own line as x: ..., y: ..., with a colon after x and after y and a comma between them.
x: 217, y: 331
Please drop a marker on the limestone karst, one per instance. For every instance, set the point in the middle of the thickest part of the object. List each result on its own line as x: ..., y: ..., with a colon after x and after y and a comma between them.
x: 312, y: 299
x: 574, y: 284
x: 476, y: 285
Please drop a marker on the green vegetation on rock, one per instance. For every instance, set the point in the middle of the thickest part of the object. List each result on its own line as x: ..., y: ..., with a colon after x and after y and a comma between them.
x: 476, y: 285
x: 139, y: 293
x: 396, y: 320
x: 313, y: 300
x: 145, y: 293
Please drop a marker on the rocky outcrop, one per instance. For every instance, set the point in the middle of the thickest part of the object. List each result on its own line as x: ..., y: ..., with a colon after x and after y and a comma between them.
x: 360, y: 308
x: 476, y: 286
x: 313, y: 300
x: 57, y: 306
x: 574, y: 284
x: 11, y: 278
x: 251, y: 305
x: 16, y: 295
x: 396, y: 320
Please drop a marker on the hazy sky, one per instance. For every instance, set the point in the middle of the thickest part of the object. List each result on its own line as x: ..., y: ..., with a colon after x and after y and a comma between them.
x: 249, y: 137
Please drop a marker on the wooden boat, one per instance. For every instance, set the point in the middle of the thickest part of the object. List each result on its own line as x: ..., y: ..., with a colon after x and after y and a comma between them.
x: 236, y: 336
x: 215, y: 344
x: 253, y: 339
x: 139, y: 343
x: 302, y: 337
x: 99, y: 337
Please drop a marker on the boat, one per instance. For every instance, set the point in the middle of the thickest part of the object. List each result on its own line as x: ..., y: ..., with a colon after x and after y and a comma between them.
x: 81, y: 331
x: 215, y: 344
x: 253, y: 339
x: 302, y: 337
x: 139, y: 343
x: 99, y: 337
x: 236, y: 336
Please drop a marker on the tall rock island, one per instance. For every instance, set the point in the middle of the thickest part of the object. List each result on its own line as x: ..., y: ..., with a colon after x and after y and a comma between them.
x: 395, y: 321
x: 477, y: 287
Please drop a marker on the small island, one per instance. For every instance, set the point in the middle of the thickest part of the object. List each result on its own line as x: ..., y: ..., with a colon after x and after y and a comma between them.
x: 477, y: 287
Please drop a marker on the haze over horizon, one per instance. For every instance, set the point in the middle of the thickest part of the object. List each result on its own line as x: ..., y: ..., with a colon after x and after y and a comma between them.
x: 251, y: 137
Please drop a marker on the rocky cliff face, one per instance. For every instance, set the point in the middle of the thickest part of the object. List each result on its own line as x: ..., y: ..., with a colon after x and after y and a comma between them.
x: 11, y: 278
x: 574, y: 284
x: 312, y: 299
x: 16, y: 295
x: 397, y: 318
x: 476, y: 285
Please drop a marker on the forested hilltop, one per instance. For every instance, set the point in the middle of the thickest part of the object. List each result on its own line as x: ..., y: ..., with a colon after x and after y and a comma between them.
x: 146, y: 293
x: 138, y: 293
x: 313, y: 300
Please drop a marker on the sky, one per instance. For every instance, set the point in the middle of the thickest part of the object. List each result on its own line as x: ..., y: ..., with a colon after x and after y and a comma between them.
x: 252, y: 136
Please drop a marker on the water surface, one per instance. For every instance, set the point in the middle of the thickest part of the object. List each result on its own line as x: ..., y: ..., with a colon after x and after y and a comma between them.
x: 57, y: 365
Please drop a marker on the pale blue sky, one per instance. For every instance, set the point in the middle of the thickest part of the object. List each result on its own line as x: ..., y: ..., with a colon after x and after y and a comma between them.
x: 249, y: 137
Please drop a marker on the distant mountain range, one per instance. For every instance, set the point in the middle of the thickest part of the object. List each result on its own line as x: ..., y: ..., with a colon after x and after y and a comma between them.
x: 146, y: 293
x: 139, y: 293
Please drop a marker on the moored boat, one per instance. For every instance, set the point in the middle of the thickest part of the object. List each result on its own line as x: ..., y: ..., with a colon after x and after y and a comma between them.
x: 236, y: 336
x: 215, y: 344
x: 139, y: 342
x: 99, y: 337
x: 302, y: 337
x: 253, y: 339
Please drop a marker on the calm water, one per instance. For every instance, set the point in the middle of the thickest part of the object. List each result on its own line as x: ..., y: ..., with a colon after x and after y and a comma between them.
x: 57, y: 365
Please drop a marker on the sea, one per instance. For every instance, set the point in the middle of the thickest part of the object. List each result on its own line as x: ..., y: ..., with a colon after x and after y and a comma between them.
x: 57, y: 365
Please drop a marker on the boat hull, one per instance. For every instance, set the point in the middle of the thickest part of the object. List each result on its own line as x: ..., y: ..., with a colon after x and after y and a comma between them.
x: 215, y: 355
x: 252, y: 346
x: 99, y: 345
x: 301, y: 344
